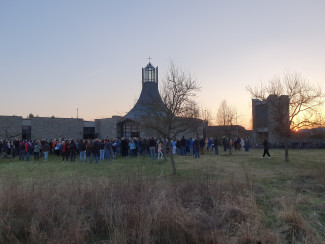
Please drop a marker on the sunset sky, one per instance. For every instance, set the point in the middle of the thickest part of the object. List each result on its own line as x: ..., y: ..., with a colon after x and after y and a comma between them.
x: 57, y: 56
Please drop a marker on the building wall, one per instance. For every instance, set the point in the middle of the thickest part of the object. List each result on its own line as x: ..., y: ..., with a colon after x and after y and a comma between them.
x: 10, y: 127
x: 196, y: 128
x: 107, y: 128
x: 260, y: 114
x: 234, y: 131
x: 54, y: 128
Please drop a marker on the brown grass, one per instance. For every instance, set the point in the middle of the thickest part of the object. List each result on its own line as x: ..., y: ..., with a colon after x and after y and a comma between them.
x: 130, y: 211
x: 238, y: 199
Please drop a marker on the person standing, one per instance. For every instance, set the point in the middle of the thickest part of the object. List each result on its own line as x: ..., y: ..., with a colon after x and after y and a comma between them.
x: 46, y: 149
x: 37, y: 150
x: 22, y: 150
x: 88, y: 148
x: 109, y: 148
x: 63, y: 150
x: 224, y: 143
x: 196, y: 148
x: 183, y: 146
x: 95, y: 151
x: 202, y: 145
x: 82, y: 150
x: 132, y: 148
x: 13, y: 151
x: 152, y: 147
x: 27, y: 146
x: 215, y: 144
x: 124, y: 147
x: 174, y: 145
x: 73, y: 151
x: 160, y: 149
x: 102, y: 150
x: 266, y: 148
x: 247, y: 145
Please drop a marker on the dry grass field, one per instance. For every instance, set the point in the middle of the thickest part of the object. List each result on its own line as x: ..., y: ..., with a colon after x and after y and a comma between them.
x: 238, y: 198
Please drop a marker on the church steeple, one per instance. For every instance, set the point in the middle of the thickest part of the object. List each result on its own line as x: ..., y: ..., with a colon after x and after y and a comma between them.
x: 149, y: 94
x: 150, y: 73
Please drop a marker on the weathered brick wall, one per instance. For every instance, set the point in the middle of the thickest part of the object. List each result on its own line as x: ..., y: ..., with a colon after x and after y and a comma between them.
x: 10, y: 127
x: 54, y: 128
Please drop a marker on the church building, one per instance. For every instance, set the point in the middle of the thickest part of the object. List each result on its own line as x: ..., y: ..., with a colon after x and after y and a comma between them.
x: 129, y: 126
x: 75, y: 128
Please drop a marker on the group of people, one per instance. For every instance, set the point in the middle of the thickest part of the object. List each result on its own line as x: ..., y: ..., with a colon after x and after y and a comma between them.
x: 24, y: 149
x: 102, y: 149
x: 238, y: 143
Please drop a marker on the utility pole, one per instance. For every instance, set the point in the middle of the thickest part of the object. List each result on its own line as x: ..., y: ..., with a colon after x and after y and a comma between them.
x: 237, y: 124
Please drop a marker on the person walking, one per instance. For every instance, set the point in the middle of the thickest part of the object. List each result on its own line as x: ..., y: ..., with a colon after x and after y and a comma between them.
x: 266, y: 148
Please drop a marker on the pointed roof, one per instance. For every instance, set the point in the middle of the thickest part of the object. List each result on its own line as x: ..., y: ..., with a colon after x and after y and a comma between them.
x: 149, y: 65
x: 149, y: 96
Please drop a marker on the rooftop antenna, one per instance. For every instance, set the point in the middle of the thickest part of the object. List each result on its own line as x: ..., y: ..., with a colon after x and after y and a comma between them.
x: 149, y: 59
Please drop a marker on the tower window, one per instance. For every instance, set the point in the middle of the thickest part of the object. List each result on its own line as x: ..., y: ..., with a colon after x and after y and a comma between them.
x: 149, y: 74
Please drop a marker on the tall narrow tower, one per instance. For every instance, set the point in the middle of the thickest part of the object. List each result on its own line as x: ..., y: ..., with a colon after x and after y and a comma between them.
x: 149, y: 94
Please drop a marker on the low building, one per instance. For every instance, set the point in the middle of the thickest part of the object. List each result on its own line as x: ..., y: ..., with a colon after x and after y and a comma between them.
x: 233, y: 131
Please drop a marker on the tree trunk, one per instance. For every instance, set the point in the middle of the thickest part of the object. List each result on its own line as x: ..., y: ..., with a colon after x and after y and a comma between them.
x: 165, y: 150
x: 172, y: 162
x: 229, y: 144
x: 286, y: 150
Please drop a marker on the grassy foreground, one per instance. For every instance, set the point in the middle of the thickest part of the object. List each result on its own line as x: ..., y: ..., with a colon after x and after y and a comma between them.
x: 237, y: 198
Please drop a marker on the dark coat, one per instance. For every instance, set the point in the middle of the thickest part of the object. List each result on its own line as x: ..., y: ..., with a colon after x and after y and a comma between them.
x: 95, y: 147
x: 266, y: 145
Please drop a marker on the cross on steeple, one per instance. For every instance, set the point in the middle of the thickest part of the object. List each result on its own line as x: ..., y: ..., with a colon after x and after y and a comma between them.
x: 149, y: 59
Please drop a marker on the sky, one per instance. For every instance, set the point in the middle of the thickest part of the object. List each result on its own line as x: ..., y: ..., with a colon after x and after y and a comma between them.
x: 60, y: 56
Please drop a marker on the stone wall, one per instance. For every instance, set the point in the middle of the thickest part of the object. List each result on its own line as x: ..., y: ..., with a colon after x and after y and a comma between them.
x: 270, y: 117
x: 54, y: 128
x: 10, y: 127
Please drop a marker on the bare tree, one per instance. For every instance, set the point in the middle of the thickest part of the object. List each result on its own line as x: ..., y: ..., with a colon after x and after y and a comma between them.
x: 227, y: 117
x: 9, y: 133
x: 179, y: 112
x: 305, y: 99
x: 221, y: 118
x: 206, y: 115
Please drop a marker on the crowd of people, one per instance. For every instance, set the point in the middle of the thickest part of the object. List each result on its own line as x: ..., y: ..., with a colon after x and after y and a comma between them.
x: 107, y: 149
